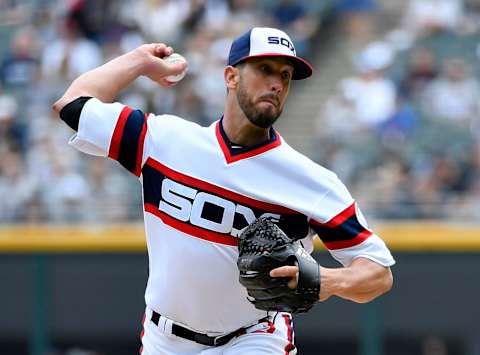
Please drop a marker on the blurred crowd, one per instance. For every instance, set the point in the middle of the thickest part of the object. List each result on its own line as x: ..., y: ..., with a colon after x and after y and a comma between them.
x: 403, y: 130
x: 45, y: 44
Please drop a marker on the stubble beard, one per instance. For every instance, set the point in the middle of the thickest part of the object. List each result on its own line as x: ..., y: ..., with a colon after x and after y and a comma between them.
x: 261, y: 118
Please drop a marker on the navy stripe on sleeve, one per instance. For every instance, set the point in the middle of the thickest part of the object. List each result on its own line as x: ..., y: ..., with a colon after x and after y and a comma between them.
x: 347, y: 230
x: 130, y: 139
x: 343, y: 231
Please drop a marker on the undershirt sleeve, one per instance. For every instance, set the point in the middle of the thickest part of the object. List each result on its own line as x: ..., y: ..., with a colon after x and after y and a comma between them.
x: 70, y: 113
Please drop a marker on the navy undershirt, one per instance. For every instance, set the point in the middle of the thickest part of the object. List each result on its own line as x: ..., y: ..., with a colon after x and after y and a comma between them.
x: 235, y: 149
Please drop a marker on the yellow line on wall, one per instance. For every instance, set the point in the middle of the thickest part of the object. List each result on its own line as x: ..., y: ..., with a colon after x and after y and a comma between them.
x: 408, y: 236
x: 91, y: 238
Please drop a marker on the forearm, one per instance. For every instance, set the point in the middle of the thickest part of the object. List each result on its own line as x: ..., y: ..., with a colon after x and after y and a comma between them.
x: 106, y: 81
x: 361, y: 282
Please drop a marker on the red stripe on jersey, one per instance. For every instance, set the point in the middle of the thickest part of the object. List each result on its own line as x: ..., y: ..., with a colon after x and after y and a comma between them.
x: 220, y: 191
x: 270, y: 329
x: 288, y: 322
x: 143, y: 332
x: 196, y: 232
x: 233, y: 158
x: 118, y: 133
x: 340, y: 244
x: 339, y: 218
x: 141, y: 140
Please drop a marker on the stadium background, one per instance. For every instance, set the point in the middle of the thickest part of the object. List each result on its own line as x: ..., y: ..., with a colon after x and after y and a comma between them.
x: 393, y: 108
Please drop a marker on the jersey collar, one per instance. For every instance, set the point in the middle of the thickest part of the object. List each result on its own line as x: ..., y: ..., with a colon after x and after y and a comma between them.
x: 235, y: 153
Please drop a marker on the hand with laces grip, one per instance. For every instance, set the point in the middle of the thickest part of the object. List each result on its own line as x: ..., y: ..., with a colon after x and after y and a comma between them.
x: 263, y: 246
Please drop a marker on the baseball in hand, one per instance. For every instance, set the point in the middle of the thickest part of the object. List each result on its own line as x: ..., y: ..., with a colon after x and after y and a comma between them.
x: 175, y: 58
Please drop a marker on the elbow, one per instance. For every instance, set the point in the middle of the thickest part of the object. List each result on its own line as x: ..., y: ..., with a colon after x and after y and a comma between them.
x: 388, y: 281
x: 58, y: 105
x: 384, y: 285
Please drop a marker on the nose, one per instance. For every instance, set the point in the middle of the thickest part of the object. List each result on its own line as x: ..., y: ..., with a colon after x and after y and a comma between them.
x: 276, y: 84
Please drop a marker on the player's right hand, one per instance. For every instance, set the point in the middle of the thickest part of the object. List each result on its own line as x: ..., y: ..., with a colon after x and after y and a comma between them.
x: 154, y: 67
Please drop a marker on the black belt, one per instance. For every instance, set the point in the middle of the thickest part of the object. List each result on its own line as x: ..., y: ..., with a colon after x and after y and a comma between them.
x: 200, y: 338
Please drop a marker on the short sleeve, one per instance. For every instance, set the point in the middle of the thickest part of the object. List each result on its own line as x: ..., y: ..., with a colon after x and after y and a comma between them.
x: 341, y: 226
x: 114, y: 130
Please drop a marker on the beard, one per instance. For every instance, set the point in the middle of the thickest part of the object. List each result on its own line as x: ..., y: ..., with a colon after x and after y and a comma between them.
x: 263, y: 118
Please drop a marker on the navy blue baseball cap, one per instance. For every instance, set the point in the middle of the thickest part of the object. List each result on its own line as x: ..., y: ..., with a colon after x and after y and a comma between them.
x: 268, y: 42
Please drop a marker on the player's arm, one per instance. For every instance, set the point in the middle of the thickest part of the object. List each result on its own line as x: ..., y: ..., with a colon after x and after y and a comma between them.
x: 113, y: 129
x: 106, y: 81
x: 365, y: 258
x: 361, y: 282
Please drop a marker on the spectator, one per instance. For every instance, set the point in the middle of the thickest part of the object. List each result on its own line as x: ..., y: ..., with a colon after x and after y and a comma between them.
x: 435, y: 184
x: 421, y: 71
x: 159, y: 20
x: 70, y: 55
x: 455, y: 95
x: 247, y: 12
x: 392, y: 195
x: 106, y: 199
x: 372, y: 94
x: 400, y: 127
x: 216, y: 15
x: 17, y: 184
x: 357, y: 19
x: 293, y: 17
x: 14, y: 12
x: 67, y: 192
x: 424, y: 17
x: 21, y: 65
x: 12, y: 133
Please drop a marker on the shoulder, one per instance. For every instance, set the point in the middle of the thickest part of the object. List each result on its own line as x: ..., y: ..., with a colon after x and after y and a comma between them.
x: 170, y: 128
x: 167, y: 121
x: 327, y: 192
x: 303, y: 164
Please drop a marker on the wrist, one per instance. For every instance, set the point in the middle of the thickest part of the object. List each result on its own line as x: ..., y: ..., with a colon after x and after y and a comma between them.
x: 140, y: 60
x: 333, y: 282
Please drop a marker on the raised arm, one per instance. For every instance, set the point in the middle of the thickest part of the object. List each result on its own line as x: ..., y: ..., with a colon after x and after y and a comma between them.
x: 361, y: 282
x: 106, y: 81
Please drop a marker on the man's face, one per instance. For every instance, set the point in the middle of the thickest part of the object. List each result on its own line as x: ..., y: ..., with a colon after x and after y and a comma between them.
x: 263, y: 88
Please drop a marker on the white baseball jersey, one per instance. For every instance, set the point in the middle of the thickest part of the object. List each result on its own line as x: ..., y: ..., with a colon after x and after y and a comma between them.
x: 199, y: 192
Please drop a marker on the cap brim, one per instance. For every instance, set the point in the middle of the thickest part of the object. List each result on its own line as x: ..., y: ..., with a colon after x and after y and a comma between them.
x: 301, y: 68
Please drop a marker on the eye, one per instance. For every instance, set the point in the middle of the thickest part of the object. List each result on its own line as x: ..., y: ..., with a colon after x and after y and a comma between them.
x: 286, y: 75
x: 265, y: 68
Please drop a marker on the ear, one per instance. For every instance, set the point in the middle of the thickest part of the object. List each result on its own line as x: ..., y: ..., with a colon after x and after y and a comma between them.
x: 231, y: 76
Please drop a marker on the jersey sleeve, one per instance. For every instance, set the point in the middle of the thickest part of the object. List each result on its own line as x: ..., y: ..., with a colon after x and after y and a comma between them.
x: 341, y: 226
x: 114, y: 130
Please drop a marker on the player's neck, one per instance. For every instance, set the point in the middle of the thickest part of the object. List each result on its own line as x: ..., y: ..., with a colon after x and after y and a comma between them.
x: 240, y: 130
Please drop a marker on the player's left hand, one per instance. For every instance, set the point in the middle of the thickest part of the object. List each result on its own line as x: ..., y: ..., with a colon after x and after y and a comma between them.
x: 263, y: 246
x: 292, y: 273
x: 287, y: 271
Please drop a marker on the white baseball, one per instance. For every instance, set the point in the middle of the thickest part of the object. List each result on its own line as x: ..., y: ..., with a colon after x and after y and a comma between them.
x: 175, y: 58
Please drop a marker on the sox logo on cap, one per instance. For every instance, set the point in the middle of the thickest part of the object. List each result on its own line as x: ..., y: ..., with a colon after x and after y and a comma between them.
x: 268, y: 42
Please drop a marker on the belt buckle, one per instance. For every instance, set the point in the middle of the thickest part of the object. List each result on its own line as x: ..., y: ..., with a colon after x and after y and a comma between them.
x: 205, y: 339
x: 211, y: 341
x: 221, y: 340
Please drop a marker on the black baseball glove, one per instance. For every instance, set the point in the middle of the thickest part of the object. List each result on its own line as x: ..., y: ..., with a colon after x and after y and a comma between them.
x: 263, y: 246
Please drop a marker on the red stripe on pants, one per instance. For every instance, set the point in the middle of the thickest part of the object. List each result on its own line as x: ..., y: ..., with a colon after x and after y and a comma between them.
x: 288, y: 322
